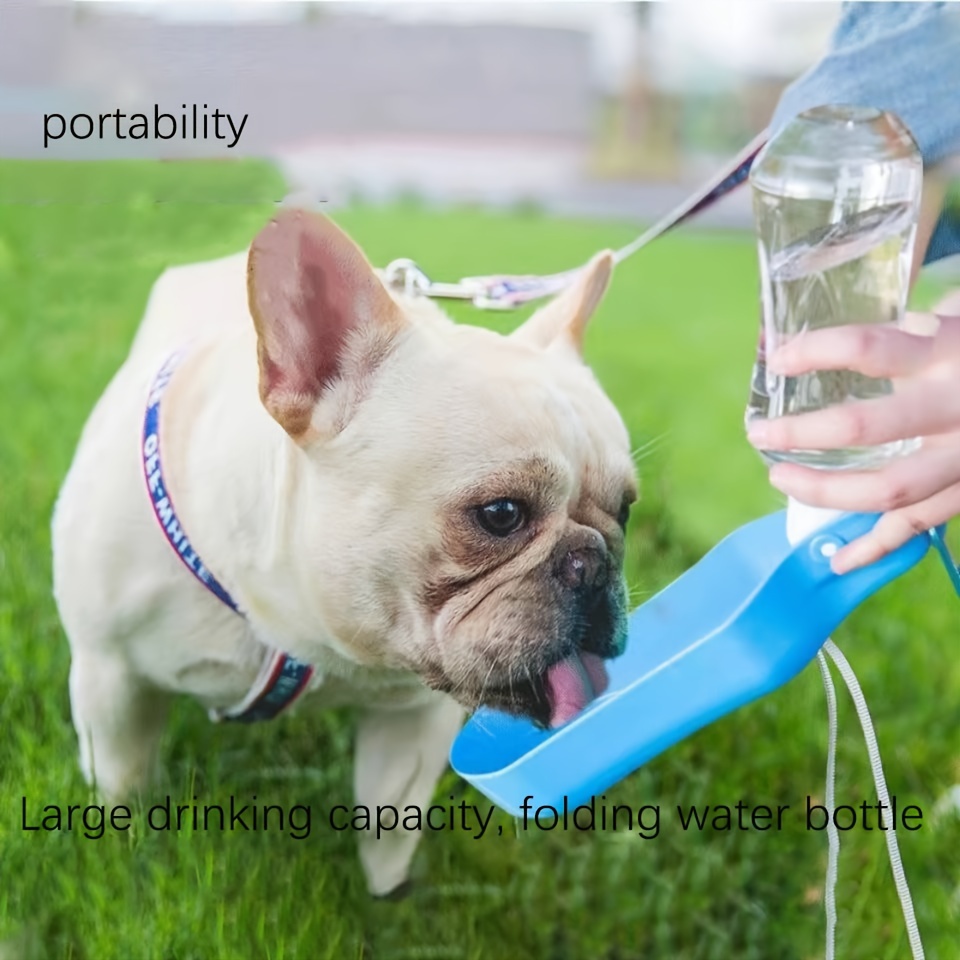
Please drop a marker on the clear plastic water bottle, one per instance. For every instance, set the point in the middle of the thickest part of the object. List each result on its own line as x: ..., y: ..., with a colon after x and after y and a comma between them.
x: 836, y: 198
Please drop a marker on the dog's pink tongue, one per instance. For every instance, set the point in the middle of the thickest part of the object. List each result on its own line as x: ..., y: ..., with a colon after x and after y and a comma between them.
x: 572, y: 683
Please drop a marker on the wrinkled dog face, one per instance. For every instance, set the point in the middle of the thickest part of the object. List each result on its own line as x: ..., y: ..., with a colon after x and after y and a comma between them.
x: 526, y: 593
x: 500, y: 472
x: 529, y: 597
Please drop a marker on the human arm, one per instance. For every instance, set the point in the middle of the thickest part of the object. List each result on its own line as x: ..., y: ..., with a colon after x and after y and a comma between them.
x: 892, y: 57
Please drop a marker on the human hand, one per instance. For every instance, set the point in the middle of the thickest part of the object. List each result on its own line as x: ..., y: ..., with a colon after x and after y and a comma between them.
x: 914, y: 493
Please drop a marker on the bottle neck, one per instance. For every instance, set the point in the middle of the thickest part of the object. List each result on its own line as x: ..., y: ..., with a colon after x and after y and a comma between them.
x: 804, y: 520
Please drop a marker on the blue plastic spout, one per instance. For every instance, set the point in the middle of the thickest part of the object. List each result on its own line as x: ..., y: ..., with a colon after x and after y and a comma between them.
x: 740, y: 623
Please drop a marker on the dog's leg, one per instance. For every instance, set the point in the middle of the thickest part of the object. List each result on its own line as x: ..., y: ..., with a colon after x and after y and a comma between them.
x: 400, y: 755
x: 118, y: 720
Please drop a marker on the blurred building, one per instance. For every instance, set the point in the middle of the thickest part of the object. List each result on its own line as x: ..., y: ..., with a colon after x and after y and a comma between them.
x: 557, y: 103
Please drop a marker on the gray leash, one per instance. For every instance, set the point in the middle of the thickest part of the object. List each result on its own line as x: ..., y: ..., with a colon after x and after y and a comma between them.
x: 508, y: 291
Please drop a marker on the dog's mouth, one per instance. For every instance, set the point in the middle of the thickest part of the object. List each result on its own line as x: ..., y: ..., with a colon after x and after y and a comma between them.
x: 553, y: 697
x: 552, y: 687
x: 571, y: 684
x: 552, y: 694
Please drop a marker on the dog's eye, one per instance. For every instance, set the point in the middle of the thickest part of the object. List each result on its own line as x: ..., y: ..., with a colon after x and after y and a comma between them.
x: 624, y: 515
x: 502, y: 517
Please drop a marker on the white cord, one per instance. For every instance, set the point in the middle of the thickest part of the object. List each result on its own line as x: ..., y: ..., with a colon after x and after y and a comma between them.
x: 873, y: 751
x: 833, y: 835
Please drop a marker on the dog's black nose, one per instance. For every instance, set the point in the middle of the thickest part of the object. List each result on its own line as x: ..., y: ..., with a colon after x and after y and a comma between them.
x: 584, y: 568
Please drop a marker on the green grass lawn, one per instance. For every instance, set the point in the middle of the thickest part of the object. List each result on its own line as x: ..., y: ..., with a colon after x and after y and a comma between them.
x: 673, y: 344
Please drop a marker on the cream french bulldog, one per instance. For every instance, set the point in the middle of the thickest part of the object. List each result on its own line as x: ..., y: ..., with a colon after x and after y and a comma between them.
x: 429, y: 515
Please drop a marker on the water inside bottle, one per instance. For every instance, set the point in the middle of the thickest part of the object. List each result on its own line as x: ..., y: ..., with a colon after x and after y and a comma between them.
x: 856, y: 269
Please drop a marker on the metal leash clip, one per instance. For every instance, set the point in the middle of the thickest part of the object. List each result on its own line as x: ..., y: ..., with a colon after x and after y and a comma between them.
x: 509, y: 291
x: 405, y: 276
x: 503, y: 292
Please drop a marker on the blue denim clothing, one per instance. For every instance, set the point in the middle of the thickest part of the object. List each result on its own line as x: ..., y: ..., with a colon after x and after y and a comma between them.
x: 902, y: 57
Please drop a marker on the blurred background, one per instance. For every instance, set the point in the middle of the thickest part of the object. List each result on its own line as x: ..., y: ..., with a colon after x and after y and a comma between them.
x: 606, y: 109
x: 476, y: 138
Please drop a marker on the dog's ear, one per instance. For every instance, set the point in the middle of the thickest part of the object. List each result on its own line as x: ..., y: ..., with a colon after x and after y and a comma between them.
x: 564, y: 319
x: 320, y: 312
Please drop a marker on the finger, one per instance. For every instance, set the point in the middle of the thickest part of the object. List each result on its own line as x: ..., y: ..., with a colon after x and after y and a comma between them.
x: 903, y: 482
x: 918, y: 409
x: 894, y: 529
x: 872, y: 349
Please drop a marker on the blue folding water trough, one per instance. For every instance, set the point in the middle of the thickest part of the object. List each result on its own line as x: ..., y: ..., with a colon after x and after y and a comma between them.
x: 740, y: 623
